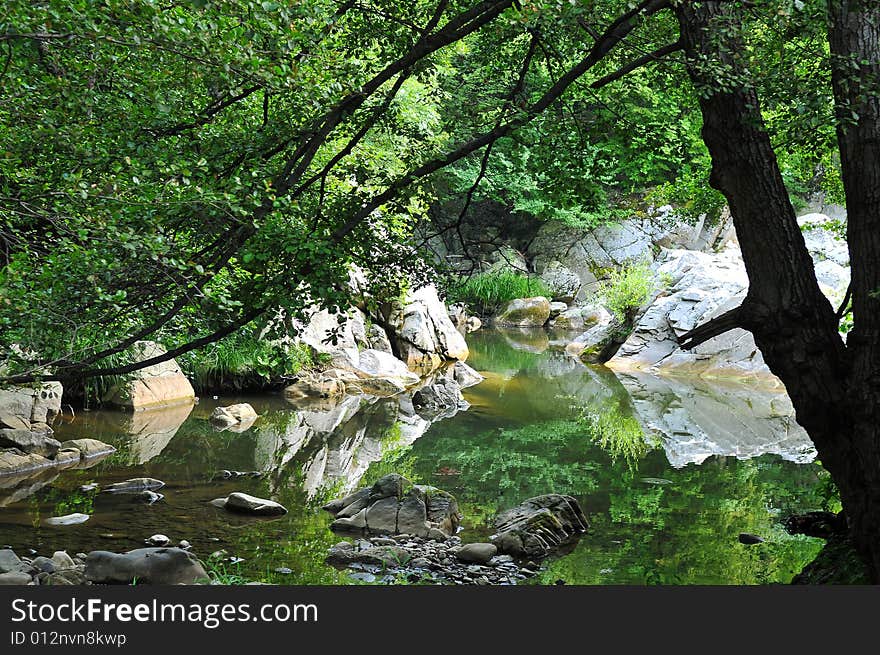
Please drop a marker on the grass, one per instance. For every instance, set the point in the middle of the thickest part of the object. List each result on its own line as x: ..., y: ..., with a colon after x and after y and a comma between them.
x: 485, y: 293
x: 244, y: 363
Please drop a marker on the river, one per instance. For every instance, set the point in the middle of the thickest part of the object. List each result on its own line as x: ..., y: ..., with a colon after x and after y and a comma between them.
x: 669, y: 473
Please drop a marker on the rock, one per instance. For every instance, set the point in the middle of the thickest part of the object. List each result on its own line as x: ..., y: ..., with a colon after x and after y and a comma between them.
x: 524, y: 312
x: 68, y: 519
x: 749, y: 539
x: 135, y: 485
x: 440, y: 395
x: 21, y: 407
x: 159, y: 540
x: 67, y: 458
x: 394, y: 506
x: 10, y: 562
x: 147, y: 497
x: 315, y: 386
x: 233, y: 415
x: 69, y: 577
x: 184, y: 544
x: 465, y: 376
x: 15, y: 578
x: 30, y: 442
x: 423, y: 332
x: 43, y: 565
x: 158, y: 566
x: 14, y: 462
x: 473, y: 324
x: 562, y: 282
x: 89, y: 448
x: 556, y: 308
x: 590, y: 346
x: 243, y: 503
x: 62, y: 560
x: 581, y: 318
x: 476, y: 553
x: 159, y: 385
x: 539, y: 526
x: 591, y: 254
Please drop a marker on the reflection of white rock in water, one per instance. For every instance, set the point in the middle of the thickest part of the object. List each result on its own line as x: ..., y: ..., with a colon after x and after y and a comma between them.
x: 339, y: 444
x: 152, y: 431
x: 696, y: 419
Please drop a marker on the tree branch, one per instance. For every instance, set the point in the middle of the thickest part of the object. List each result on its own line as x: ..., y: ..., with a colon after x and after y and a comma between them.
x: 719, y: 325
x: 656, y: 55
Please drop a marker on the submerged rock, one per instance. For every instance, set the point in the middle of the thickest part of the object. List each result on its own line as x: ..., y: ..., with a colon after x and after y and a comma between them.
x: 240, y: 414
x: 162, y: 566
x: 539, y: 526
x: 68, y: 519
x: 135, y: 485
x: 89, y: 448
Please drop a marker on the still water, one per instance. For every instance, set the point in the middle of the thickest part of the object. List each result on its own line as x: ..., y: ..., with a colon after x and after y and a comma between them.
x: 668, y: 473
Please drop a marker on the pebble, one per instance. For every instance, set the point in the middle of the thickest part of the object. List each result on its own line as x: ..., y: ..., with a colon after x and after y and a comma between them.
x: 158, y: 540
x: 184, y: 544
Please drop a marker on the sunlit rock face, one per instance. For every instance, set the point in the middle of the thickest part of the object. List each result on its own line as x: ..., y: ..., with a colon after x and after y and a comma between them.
x: 694, y: 419
x: 698, y: 287
x: 156, y: 386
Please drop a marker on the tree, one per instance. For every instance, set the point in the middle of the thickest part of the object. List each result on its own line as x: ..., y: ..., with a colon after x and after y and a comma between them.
x: 833, y: 386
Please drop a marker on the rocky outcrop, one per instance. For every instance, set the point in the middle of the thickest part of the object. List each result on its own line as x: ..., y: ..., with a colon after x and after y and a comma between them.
x: 394, y: 505
x: 423, y: 335
x: 160, y: 385
x: 701, y: 286
x: 581, y: 318
x: 31, y: 468
x: 25, y: 417
x: 242, y: 503
x: 591, y: 254
x: 523, y: 312
x: 156, y: 566
x: 539, y: 526
x: 563, y: 282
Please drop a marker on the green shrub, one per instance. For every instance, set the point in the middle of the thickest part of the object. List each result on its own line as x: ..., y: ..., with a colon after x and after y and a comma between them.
x: 244, y: 362
x: 627, y: 289
x: 485, y: 293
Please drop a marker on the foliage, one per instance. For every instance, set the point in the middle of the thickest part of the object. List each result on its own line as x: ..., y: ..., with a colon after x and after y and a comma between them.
x: 244, y: 361
x: 485, y: 293
x: 627, y: 289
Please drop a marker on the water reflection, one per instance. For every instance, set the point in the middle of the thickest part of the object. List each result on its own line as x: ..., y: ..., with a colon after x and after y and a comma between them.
x: 540, y: 422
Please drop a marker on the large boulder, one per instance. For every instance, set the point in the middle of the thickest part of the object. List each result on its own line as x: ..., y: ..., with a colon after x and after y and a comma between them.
x: 539, y: 526
x: 441, y: 397
x: 157, y: 566
x: 159, y: 385
x: 25, y: 415
x: 524, y: 312
x: 394, y: 505
x: 423, y: 333
x: 563, y: 282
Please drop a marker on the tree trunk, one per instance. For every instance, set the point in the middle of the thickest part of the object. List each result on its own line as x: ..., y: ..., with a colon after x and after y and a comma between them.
x: 854, y: 36
x: 794, y: 325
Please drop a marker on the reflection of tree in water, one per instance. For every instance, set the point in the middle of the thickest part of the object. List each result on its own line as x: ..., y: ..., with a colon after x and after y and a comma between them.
x: 686, y: 531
